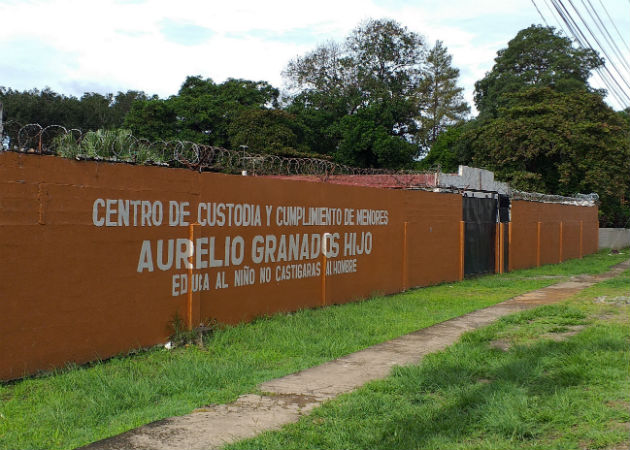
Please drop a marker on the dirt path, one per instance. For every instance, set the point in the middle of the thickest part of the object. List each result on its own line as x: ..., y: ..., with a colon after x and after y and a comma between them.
x: 286, y: 399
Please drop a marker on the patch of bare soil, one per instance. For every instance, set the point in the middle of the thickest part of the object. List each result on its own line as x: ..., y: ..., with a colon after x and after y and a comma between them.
x: 619, y: 300
x: 564, y: 335
x: 501, y: 344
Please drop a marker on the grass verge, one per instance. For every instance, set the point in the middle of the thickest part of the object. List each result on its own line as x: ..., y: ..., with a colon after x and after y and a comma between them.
x: 80, y: 405
x: 552, y: 377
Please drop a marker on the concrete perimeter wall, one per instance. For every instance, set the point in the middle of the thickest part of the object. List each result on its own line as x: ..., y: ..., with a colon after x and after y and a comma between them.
x: 614, y: 238
x: 98, y: 258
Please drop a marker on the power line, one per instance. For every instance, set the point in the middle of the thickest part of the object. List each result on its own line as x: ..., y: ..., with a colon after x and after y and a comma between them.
x: 606, y: 76
x: 604, y: 32
x: 613, y: 24
x: 559, y: 18
x: 561, y: 15
x: 539, y: 13
x: 553, y: 13
x: 601, y: 47
x: 576, y: 34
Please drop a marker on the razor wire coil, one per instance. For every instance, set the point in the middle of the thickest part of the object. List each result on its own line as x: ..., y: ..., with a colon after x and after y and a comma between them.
x: 122, y: 146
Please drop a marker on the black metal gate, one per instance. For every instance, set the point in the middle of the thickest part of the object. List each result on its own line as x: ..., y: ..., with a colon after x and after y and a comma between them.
x: 504, y: 219
x: 480, y: 223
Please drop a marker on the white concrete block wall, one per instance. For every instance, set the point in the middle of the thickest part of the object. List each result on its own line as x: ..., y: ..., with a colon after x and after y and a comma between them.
x: 473, y: 178
x: 614, y: 238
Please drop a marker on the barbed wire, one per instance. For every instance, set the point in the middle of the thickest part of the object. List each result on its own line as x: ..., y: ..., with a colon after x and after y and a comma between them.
x: 121, y: 146
x: 577, y: 199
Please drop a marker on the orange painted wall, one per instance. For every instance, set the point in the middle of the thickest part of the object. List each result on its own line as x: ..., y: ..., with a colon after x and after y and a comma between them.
x: 433, y: 249
x: 555, y: 221
x: 73, y: 289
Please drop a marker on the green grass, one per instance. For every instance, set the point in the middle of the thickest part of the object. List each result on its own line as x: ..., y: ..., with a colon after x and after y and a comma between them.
x: 555, y: 377
x: 83, y: 404
x: 592, y: 264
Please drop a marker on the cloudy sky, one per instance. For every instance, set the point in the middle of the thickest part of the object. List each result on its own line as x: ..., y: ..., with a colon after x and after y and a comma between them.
x: 75, y: 46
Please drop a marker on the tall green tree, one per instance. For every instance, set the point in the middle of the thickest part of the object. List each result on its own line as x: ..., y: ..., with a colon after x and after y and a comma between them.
x: 537, y: 56
x: 440, y: 101
x: 122, y: 104
x: 318, y: 136
x: 451, y: 148
x: 95, y: 111
x: 543, y: 128
x: 373, y: 75
x: 153, y: 119
x: 45, y: 107
x: 561, y: 143
x: 386, y: 59
x: 268, y: 131
x: 325, y: 78
x: 364, y: 142
x: 202, y: 111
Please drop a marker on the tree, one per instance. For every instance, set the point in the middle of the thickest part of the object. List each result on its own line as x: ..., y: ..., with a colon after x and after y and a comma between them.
x: 92, y: 111
x: 387, y: 59
x: 44, y: 107
x: 205, y: 109
x: 537, y: 56
x: 95, y: 109
x: 152, y: 119
x: 326, y: 77
x: 374, y: 76
x: 318, y: 124
x: 232, y: 92
x: 560, y: 143
x: 543, y: 128
x: 201, y: 111
x: 450, y: 149
x: 268, y: 131
x: 440, y: 102
x: 123, y: 102
x: 366, y: 144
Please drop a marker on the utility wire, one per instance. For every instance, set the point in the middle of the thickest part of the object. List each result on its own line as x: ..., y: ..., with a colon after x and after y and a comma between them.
x: 611, y: 63
x: 607, y: 77
x: 539, y: 13
x: 613, y: 24
x: 604, y: 32
x: 606, y: 54
x: 559, y: 19
x: 553, y: 13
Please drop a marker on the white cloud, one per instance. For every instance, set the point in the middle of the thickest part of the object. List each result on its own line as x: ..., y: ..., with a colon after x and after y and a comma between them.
x: 120, y: 45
